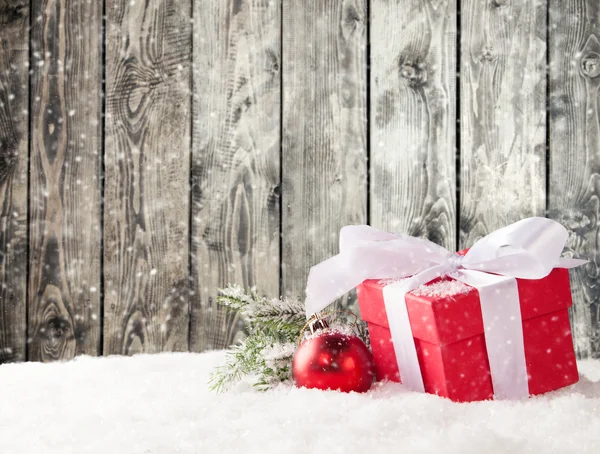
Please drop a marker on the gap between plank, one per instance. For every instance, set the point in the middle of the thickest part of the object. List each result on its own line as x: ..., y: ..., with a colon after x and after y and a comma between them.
x: 368, y: 115
x: 191, y: 283
x: 281, y: 148
x: 547, y: 118
x: 102, y: 172
x: 457, y: 176
x: 29, y: 148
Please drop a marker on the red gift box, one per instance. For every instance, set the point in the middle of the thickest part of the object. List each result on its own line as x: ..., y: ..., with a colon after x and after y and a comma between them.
x: 450, y: 344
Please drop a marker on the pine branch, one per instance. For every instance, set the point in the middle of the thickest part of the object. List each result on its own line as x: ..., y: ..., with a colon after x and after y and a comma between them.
x: 260, y: 355
x: 265, y: 355
x: 242, y: 360
x: 256, y: 308
x: 283, y: 318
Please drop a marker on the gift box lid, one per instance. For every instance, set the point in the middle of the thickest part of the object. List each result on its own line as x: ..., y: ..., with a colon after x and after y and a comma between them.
x: 445, y: 311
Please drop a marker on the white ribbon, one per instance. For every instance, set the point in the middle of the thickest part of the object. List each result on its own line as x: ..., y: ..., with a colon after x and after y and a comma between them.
x: 527, y: 249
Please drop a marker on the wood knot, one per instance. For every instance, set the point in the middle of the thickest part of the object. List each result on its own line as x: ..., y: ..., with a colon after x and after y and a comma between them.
x: 500, y: 3
x: 414, y: 74
x: 13, y: 13
x: 352, y: 18
x: 272, y: 60
x: 57, y: 328
x: 408, y: 72
x: 590, y: 65
x: 488, y: 53
x: 352, y: 21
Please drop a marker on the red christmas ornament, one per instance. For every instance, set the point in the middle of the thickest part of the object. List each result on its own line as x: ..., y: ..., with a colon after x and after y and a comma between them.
x: 333, y: 360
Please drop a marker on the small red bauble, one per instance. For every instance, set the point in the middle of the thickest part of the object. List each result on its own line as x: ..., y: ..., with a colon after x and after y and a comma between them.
x: 333, y: 360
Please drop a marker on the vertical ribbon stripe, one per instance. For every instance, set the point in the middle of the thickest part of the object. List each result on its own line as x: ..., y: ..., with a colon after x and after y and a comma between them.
x: 503, y: 331
x: 402, y: 337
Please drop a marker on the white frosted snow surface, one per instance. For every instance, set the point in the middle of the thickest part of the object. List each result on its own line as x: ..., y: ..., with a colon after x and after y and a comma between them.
x: 442, y: 289
x: 161, y: 404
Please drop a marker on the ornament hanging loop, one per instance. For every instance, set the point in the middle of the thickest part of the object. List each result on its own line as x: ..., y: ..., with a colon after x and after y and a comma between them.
x: 317, y: 321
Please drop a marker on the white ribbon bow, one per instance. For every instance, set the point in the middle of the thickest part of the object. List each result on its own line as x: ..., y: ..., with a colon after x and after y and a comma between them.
x: 527, y: 249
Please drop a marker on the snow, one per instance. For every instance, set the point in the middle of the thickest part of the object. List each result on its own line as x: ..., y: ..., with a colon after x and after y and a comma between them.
x: 442, y: 289
x: 161, y: 404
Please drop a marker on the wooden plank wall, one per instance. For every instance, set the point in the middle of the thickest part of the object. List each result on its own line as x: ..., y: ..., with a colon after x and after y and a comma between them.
x: 14, y: 151
x: 413, y: 118
x: 65, y: 180
x: 502, y: 115
x: 236, y: 159
x: 146, y: 196
x: 573, y: 197
x: 151, y: 152
x: 324, y: 150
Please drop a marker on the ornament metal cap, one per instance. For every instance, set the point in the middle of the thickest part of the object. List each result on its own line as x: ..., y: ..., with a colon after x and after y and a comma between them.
x: 317, y: 322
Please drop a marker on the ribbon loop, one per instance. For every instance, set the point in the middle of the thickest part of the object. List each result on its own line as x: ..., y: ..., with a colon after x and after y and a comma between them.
x: 527, y: 249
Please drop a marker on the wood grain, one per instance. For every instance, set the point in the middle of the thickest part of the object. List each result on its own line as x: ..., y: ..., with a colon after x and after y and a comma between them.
x: 574, y: 42
x: 413, y: 114
x: 276, y: 144
x: 147, y: 176
x: 503, y: 115
x: 324, y: 131
x: 65, y: 228
x: 236, y: 159
x: 14, y: 143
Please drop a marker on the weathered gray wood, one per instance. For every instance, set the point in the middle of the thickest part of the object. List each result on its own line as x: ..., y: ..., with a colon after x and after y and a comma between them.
x: 14, y: 95
x: 236, y: 158
x: 413, y: 114
x: 65, y: 186
x: 146, y: 212
x: 574, y: 44
x: 324, y: 131
x: 503, y: 115
x: 236, y: 163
